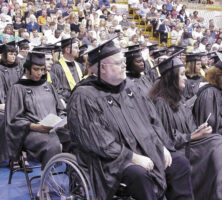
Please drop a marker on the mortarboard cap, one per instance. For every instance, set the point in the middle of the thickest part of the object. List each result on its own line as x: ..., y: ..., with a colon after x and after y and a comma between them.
x: 169, y: 63
x: 194, y: 57
x: 219, y: 63
x: 66, y: 42
x: 174, y: 49
x: 104, y: 50
x: 45, y: 49
x: 213, y: 55
x: 132, y: 47
x: 135, y: 53
x: 23, y: 43
x: 82, y: 49
x: 153, y: 47
x: 159, y: 52
x: 9, y: 46
x: 36, y: 58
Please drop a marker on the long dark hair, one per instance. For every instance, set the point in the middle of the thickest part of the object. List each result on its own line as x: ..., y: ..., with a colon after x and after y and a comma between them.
x: 168, y: 88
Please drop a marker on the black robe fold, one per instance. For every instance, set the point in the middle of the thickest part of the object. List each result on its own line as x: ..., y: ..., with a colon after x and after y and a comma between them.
x: 151, y: 73
x: 56, y: 83
x: 29, y: 102
x: 9, y: 74
x: 192, y: 86
x: 60, y: 74
x: 209, y: 100
x: 109, y: 124
x: 143, y: 82
x: 205, y: 152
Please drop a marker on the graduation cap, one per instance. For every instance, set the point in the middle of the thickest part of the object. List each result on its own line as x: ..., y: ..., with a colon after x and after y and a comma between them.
x: 68, y: 41
x: 104, y: 50
x: 219, y: 63
x: 23, y: 43
x: 135, y: 53
x: 194, y: 57
x: 45, y: 49
x: 213, y: 55
x: 10, y: 46
x: 132, y: 47
x: 159, y: 52
x: 36, y: 58
x: 174, y: 49
x: 153, y: 47
x: 82, y: 49
x: 169, y: 63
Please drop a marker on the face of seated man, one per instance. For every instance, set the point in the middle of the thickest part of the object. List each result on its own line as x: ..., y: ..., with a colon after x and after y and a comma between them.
x: 113, y: 69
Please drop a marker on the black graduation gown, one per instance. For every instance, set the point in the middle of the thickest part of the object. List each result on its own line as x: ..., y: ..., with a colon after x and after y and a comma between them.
x: 2, y: 88
x: 56, y: 83
x: 209, y: 100
x: 192, y: 86
x: 205, y: 152
x: 143, y: 82
x: 151, y: 72
x: 59, y: 72
x: 109, y: 124
x: 34, y: 101
x: 3, y: 144
x: 9, y: 75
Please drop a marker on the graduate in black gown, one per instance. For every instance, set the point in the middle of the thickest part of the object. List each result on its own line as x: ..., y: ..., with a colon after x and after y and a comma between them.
x: 68, y: 71
x: 119, y: 135
x: 148, y: 56
x: 193, y: 74
x: 135, y: 70
x: 10, y: 67
x: 51, y: 77
x: 10, y: 72
x: 203, y: 148
x: 30, y: 100
x: 209, y: 98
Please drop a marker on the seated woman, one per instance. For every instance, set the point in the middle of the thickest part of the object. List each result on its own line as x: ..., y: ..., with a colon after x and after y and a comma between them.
x: 193, y: 74
x: 209, y: 98
x: 10, y: 67
x: 35, y: 99
x: 203, y: 148
x: 135, y: 69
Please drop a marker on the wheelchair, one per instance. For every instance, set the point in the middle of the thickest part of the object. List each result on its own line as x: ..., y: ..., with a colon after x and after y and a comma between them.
x: 64, y: 179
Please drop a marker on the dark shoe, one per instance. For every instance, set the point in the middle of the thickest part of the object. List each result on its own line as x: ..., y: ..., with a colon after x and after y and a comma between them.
x: 15, y: 165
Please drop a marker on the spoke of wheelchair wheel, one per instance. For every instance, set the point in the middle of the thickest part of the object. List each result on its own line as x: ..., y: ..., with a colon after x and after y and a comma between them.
x: 56, y: 191
x: 57, y: 185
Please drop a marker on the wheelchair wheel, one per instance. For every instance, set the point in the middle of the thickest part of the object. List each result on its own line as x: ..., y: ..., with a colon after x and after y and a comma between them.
x: 63, y: 179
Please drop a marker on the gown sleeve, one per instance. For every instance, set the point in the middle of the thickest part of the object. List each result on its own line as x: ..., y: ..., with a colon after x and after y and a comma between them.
x: 178, y: 138
x: 209, y: 101
x: 17, y: 125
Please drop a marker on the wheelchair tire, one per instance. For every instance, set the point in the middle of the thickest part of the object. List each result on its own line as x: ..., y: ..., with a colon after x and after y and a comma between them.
x: 64, y: 179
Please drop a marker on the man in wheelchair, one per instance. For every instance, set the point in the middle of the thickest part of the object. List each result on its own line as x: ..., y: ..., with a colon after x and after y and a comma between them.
x: 120, y: 138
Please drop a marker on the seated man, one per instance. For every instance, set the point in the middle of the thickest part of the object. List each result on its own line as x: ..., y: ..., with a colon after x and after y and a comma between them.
x: 30, y: 100
x: 68, y: 71
x: 119, y: 135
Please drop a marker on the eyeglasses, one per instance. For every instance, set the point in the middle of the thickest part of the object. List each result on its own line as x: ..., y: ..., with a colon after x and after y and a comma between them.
x: 122, y: 61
